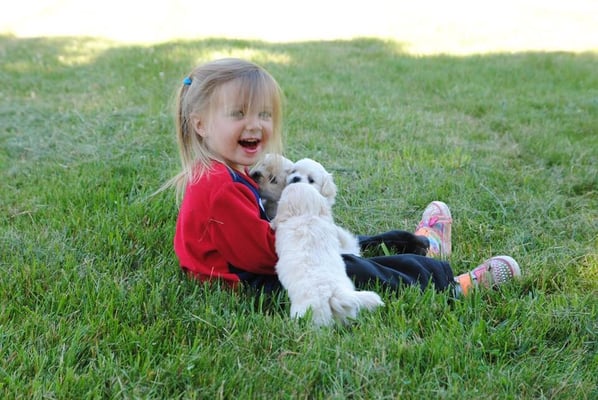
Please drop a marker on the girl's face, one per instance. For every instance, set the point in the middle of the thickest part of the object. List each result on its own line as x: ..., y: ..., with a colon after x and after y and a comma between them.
x: 233, y: 131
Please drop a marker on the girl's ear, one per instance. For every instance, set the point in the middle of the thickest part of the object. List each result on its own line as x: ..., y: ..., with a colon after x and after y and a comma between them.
x: 198, y: 127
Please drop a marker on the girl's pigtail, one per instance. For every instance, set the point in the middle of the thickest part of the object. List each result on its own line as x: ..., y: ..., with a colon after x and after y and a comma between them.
x: 181, y: 123
x: 183, y: 138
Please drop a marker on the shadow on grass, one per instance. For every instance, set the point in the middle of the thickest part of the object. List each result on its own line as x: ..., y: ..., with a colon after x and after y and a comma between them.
x: 89, y: 290
x: 86, y: 122
x: 81, y: 78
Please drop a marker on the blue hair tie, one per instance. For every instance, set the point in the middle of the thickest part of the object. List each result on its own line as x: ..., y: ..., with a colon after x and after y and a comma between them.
x: 187, y: 81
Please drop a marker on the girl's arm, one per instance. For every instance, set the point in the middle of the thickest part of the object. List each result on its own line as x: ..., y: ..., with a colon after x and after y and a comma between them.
x: 242, y: 237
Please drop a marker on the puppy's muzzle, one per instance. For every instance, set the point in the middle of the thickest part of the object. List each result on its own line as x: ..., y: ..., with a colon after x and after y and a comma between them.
x: 256, y: 175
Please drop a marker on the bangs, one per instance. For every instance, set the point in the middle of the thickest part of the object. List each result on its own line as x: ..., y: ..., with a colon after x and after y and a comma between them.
x: 256, y: 91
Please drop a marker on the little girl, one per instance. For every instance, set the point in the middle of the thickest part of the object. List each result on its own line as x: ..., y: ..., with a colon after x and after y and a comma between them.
x: 229, y: 114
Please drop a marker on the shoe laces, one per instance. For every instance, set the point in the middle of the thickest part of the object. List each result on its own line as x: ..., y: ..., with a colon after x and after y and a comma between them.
x: 433, y: 220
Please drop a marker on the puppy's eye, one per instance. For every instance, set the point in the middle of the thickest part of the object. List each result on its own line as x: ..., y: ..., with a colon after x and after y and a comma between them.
x: 310, y: 179
x: 256, y: 175
x: 273, y: 179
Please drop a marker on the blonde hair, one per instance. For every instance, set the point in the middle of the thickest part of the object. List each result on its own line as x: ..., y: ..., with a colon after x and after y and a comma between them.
x: 195, y: 98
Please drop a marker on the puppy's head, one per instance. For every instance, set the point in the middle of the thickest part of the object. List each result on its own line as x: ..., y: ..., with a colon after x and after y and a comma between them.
x: 301, y: 199
x: 312, y: 172
x: 271, y: 175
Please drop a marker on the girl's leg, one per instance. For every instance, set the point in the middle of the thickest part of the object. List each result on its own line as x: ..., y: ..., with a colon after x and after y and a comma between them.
x: 398, y: 242
x: 432, y: 236
x: 264, y: 283
x: 491, y: 273
x: 410, y: 269
x: 399, y: 270
x: 436, y: 227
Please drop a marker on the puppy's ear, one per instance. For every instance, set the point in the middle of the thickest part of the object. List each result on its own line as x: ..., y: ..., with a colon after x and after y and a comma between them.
x: 287, y: 169
x: 328, y: 188
x: 282, y: 212
x: 325, y: 210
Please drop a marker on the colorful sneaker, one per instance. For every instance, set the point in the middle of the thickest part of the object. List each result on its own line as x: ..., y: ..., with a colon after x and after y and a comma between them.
x: 436, y: 226
x: 493, y: 272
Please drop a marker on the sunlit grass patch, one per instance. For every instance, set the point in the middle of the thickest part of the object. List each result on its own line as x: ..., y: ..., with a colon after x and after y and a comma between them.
x: 92, y: 301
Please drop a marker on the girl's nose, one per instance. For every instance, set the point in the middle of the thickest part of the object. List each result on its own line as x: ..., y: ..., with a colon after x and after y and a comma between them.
x: 253, y: 123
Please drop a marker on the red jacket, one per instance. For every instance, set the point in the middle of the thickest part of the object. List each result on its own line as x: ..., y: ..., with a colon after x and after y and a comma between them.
x: 219, y: 225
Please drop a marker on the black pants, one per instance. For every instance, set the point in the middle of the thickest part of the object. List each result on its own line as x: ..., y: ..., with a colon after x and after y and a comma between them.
x: 398, y: 270
x: 407, y: 268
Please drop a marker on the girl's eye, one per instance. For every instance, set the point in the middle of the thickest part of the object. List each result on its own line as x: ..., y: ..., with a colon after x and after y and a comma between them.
x: 237, y: 114
x: 265, y: 115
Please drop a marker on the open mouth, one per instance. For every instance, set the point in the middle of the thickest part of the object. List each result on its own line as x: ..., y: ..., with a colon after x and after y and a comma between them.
x: 249, y: 143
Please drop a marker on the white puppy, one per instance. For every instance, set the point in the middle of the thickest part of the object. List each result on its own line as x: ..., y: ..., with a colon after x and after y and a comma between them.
x: 271, y: 176
x: 310, y: 266
x: 312, y: 172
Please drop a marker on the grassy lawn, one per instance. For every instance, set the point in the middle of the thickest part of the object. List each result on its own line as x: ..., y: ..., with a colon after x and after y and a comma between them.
x: 92, y: 303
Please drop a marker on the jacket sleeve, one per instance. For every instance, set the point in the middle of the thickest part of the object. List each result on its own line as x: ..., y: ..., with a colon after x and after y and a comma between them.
x: 243, y: 238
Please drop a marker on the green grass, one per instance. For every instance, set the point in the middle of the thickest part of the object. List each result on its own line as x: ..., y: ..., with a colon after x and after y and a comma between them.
x: 92, y: 304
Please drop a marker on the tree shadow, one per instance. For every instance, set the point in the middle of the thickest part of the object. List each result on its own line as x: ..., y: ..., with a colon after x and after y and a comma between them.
x: 89, y: 114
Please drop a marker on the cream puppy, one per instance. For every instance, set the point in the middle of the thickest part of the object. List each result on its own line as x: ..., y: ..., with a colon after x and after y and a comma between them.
x: 271, y: 176
x: 310, y: 266
x: 312, y: 172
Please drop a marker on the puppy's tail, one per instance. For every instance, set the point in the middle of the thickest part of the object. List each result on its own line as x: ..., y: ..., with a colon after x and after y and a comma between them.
x: 346, y: 304
x: 369, y: 300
